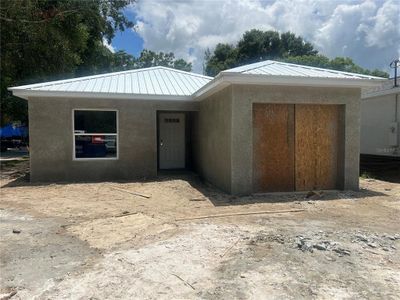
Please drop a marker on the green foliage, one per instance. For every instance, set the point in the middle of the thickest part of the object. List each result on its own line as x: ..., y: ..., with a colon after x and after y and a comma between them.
x: 149, y: 58
x: 318, y: 60
x: 43, y: 40
x: 52, y: 39
x: 256, y: 45
x: 293, y: 45
x: 345, y: 64
x: 224, y: 57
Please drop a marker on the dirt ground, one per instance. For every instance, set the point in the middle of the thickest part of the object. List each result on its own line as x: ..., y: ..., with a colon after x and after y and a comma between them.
x: 101, y: 241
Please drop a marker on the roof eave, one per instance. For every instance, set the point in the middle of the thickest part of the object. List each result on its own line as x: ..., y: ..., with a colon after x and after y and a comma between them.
x: 301, y: 80
x: 225, y: 78
x: 26, y: 94
x: 391, y: 91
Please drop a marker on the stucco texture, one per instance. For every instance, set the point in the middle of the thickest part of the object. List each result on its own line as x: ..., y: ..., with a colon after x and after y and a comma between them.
x: 243, y: 97
x: 213, y: 138
x: 221, y: 134
x: 51, y: 139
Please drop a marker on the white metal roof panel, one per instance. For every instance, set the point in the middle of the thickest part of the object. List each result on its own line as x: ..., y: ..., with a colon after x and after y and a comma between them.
x: 159, y: 81
x: 276, y: 68
x: 163, y: 83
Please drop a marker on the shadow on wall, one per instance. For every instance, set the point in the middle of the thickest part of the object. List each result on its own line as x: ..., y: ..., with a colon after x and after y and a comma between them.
x: 220, y: 198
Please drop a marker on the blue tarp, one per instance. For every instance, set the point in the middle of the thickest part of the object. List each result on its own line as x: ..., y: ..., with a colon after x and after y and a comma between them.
x: 13, y: 131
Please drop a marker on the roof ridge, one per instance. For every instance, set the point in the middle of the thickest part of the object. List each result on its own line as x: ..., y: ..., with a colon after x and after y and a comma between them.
x: 261, y: 64
x: 258, y: 63
x: 186, y: 72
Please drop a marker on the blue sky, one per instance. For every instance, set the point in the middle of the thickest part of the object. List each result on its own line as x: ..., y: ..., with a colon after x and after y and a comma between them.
x: 368, y: 31
x: 129, y: 40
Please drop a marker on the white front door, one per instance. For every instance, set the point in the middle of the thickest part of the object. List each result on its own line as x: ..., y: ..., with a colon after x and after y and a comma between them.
x: 171, y: 140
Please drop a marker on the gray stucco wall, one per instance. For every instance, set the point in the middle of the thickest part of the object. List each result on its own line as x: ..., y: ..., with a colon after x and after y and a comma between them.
x: 51, y: 139
x: 212, y: 130
x: 221, y: 129
x: 243, y: 96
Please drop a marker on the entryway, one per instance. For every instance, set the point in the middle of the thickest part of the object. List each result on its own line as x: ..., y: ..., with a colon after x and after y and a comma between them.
x: 171, y: 140
x: 297, y: 147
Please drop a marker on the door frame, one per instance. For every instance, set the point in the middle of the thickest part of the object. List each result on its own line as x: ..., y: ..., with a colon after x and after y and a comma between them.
x: 158, y: 134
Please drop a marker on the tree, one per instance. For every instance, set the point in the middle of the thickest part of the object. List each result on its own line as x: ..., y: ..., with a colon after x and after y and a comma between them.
x: 224, y: 57
x: 319, y: 61
x: 345, y: 64
x: 256, y: 45
x: 48, y: 39
x: 293, y: 45
x: 150, y: 58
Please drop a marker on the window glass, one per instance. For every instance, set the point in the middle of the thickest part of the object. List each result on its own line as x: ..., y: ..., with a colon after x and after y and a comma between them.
x: 92, y: 146
x: 95, y: 121
x: 95, y: 134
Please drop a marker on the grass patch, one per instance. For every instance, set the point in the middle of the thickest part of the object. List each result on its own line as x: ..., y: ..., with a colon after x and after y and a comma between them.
x: 11, y: 163
x: 367, y: 175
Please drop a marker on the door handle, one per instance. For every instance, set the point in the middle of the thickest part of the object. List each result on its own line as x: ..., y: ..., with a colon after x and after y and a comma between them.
x: 161, y: 142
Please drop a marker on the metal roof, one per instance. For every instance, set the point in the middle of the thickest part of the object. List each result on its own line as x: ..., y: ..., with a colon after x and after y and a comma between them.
x: 271, y: 72
x: 162, y: 83
x: 276, y: 68
x: 155, y: 81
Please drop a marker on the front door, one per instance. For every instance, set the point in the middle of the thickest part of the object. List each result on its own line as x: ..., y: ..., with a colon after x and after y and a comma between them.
x: 171, y: 140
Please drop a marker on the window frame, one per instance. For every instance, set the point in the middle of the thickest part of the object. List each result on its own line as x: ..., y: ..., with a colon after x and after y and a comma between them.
x: 74, y: 158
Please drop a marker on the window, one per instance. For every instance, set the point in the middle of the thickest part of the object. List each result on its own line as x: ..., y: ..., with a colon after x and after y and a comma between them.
x: 95, y: 134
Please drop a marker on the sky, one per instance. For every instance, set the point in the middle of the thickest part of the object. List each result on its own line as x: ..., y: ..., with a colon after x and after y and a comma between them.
x: 368, y: 31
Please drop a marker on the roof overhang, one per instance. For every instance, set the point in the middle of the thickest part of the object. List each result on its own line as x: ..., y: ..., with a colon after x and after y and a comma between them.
x: 221, y: 81
x: 26, y: 94
x: 391, y: 91
x: 226, y: 78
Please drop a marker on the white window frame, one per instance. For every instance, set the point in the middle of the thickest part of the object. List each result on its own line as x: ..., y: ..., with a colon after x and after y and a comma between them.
x: 75, y: 134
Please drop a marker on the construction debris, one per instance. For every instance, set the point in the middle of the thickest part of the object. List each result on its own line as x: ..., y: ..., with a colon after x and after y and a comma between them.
x: 198, y: 199
x: 243, y: 214
x: 8, y: 296
x: 184, y: 281
x: 322, y: 241
x: 315, y: 195
x: 124, y: 214
x: 229, y: 249
x: 131, y: 192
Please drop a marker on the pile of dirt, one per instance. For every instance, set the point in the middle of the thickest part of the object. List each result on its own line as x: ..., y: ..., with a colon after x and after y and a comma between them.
x: 112, y: 232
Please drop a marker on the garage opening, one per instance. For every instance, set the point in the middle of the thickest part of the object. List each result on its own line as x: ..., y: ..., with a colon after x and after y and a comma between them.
x: 297, y: 147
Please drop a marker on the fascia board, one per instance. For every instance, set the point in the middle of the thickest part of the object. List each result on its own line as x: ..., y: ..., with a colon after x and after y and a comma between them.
x: 381, y: 93
x: 26, y: 94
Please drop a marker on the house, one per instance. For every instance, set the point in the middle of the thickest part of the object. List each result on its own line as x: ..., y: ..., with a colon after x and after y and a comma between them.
x: 263, y: 127
x: 380, y: 120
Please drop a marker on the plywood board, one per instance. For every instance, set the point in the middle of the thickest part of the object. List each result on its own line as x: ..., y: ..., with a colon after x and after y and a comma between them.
x: 317, y: 144
x: 273, y: 147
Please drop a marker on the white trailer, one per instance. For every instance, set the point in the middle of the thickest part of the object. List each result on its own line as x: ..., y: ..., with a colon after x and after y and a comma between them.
x: 380, y: 121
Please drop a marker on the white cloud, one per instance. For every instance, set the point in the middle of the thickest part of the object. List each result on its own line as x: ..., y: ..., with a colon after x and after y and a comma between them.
x: 108, y: 46
x: 367, y: 31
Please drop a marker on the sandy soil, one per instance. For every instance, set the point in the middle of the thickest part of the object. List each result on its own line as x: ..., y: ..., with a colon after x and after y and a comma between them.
x: 100, y: 241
